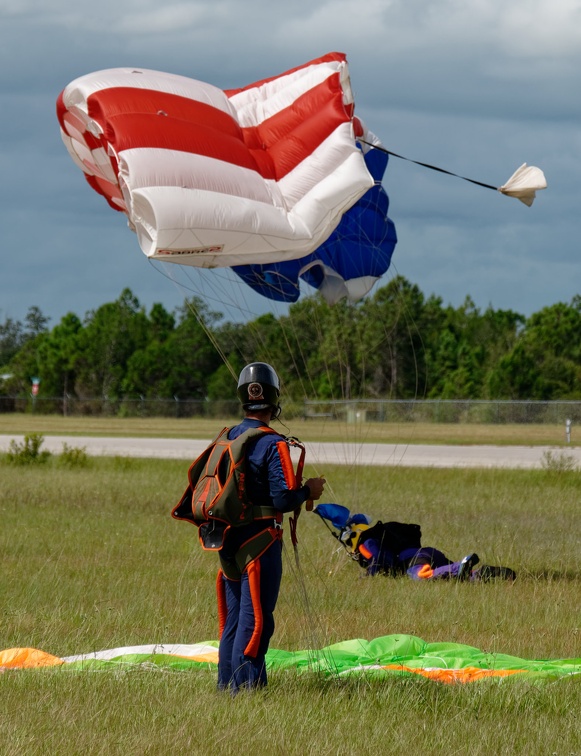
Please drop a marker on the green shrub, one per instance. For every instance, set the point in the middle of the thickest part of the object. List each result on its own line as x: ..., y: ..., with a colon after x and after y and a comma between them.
x: 122, y: 464
x: 558, y: 462
x: 28, y: 452
x: 72, y: 456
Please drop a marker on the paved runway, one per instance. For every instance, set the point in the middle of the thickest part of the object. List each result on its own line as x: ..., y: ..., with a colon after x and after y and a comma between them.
x: 319, y: 454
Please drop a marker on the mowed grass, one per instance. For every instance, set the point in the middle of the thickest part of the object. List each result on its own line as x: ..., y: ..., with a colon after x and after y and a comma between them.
x: 306, y: 430
x: 92, y: 560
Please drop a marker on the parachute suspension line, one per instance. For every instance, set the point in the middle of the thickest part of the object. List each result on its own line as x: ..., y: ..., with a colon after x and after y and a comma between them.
x: 211, y: 336
x: 390, y: 339
x: 284, y: 321
x: 427, y: 165
x: 226, y: 289
x: 316, y: 638
x: 298, y: 340
x: 320, y: 330
x: 411, y: 327
x: 410, y: 319
x: 345, y: 359
x: 319, y: 634
x: 241, y: 305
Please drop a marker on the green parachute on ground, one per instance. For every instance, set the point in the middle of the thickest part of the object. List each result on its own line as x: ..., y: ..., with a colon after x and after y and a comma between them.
x: 393, y: 655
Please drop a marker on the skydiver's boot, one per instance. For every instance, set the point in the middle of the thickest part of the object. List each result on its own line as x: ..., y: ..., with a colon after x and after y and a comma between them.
x: 489, y: 572
x: 466, y: 565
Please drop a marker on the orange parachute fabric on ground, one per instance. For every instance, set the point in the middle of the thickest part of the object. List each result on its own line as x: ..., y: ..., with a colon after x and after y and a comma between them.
x: 449, y: 676
x: 25, y: 658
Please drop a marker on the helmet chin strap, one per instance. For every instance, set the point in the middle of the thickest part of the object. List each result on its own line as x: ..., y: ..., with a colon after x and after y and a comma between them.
x: 275, y: 411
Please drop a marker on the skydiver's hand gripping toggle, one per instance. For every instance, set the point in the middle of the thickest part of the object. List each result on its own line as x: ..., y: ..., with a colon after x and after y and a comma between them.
x: 316, y: 486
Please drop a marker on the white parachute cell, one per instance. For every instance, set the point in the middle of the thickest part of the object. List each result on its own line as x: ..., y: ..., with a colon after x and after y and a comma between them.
x: 213, y: 178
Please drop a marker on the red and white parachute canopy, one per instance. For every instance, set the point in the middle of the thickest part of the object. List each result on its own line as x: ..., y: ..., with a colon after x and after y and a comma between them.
x: 213, y: 178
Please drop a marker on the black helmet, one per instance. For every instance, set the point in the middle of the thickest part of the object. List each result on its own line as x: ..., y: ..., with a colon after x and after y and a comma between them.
x: 259, y: 387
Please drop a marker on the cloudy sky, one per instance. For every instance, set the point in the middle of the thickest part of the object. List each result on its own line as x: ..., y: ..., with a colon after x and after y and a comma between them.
x: 476, y: 87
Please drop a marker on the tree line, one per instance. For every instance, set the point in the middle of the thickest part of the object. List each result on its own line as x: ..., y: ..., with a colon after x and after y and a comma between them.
x: 395, y: 344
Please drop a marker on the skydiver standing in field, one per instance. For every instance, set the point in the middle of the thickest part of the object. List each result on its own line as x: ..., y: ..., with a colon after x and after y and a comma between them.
x: 249, y: 578
x: 246, y: 601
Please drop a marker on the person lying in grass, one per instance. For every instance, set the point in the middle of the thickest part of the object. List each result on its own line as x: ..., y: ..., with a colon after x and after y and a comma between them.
x: 395, y: 548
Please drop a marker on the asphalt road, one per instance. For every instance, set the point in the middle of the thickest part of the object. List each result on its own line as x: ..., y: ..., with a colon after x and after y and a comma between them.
x: 319, y: 454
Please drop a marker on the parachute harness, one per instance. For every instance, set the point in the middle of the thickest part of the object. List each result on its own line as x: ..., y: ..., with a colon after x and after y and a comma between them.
x: 293, y: 519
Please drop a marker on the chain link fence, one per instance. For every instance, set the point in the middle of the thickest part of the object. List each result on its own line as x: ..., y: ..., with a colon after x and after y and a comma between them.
x: 445, y: 411
x: 124, y: 407
x: 349, y: 411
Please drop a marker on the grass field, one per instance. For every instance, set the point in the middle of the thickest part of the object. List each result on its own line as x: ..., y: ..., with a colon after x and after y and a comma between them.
x: 91, y: 560
x: 306, y: 430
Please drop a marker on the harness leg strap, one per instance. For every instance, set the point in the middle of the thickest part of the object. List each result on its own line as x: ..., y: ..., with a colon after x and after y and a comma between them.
x: 222, y: 606
x: 247, y: 560
x: 253, y: 570
x: 255, y: 547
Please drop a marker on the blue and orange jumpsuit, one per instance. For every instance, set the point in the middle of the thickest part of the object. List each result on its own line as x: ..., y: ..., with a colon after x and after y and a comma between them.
x: 246, y: 602
x: 425, y: 563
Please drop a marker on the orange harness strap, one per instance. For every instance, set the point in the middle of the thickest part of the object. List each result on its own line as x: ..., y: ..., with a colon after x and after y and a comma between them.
x: 425, y: 572
x: 222, y: 606
x: 262, y: 541
x: 253, y: 570
x: 294, y: 518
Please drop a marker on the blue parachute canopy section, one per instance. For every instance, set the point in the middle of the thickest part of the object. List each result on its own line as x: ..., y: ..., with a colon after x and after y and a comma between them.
x: 349, y: 262
x: 339, y: 516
